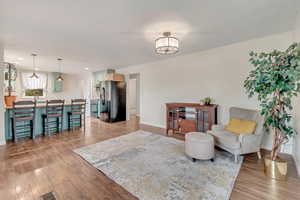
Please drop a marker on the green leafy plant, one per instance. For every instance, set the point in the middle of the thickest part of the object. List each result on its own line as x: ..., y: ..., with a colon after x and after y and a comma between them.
x: 207, y: 100
x: 275, y: 81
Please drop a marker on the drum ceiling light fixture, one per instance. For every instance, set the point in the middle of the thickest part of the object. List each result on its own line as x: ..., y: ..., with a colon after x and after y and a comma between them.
x: 167, y: 44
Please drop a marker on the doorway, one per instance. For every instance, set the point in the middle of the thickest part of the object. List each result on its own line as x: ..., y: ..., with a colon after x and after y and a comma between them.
x: 134, y: 95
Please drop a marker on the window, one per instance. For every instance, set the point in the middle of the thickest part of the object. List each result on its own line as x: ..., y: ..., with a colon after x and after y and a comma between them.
x: 32, y: 87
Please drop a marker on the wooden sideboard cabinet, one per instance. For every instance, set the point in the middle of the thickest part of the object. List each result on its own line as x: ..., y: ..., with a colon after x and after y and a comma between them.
x: 190, y: 117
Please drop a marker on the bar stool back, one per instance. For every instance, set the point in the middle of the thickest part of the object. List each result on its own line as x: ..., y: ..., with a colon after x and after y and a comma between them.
x: 77, y: 113
x: 53, y: 119
x: 23, y: 117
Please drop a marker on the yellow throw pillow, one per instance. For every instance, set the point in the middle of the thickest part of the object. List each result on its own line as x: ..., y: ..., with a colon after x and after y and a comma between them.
x: 240, y: 126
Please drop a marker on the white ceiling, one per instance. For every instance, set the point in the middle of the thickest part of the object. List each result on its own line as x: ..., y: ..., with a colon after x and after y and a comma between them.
x: 118, y: 33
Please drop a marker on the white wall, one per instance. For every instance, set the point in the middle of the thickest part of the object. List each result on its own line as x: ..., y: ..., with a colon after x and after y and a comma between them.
x: 2, y: 136
x: 218, y: 73
x: 296, y: 150
x: 72, y: 87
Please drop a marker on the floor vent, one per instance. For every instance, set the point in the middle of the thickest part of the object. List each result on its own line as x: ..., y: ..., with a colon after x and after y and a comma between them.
x: 48, y: 196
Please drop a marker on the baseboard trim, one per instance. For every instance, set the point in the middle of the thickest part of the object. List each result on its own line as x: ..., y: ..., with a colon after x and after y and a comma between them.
x: 297, y: 163
x: 2, y: 142
x: 151, y: 124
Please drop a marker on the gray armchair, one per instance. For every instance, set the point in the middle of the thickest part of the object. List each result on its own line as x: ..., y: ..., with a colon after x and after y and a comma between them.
x: 243, y: 143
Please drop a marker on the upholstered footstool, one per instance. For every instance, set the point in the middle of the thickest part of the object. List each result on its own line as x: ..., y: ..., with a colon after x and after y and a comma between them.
x: 199, y: 146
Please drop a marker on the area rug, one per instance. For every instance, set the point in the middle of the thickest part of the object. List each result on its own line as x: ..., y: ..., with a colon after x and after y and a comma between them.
x: 155, y: 167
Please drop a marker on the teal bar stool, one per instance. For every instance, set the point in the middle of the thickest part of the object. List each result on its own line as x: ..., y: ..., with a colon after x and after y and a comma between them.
x: 77, y: 114
x: 23, y: 117
x: 54, y: 117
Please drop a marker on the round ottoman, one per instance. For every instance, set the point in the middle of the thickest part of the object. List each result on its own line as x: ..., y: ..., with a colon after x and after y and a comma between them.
x: 199, y: 146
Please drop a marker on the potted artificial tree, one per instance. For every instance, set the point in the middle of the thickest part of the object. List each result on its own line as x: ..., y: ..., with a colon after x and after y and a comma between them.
x: 275, y: 80
x: 10, y: 76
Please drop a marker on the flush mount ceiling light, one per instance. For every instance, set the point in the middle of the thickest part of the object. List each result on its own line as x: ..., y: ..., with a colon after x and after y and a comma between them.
x: 59, y: 78
x: 34, y: 75
x: 166, y: 45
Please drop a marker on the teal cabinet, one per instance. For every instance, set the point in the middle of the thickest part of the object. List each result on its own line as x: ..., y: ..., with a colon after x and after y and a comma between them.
x: 98, y: 107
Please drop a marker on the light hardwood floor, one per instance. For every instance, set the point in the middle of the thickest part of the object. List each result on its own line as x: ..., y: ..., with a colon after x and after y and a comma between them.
x: 29, y: 169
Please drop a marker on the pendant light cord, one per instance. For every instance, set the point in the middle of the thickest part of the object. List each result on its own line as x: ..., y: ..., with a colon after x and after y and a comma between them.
x: 33, y: 61
x: 59, y: 64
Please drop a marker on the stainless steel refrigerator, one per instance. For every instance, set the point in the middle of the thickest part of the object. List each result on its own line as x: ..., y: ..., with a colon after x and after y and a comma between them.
x: 112, y: 101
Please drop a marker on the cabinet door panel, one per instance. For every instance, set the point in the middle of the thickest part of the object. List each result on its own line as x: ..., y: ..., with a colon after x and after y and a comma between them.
x: 187, y: 126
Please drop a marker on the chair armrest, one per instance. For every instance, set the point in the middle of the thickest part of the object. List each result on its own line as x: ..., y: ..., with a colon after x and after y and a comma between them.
x: 248, y: 137
x: 250, y: 143
x: 218, y: 127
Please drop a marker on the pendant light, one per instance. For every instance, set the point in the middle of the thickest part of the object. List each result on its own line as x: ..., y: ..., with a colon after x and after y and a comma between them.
x: 34, y: 75
x: 59, y: 78
x: 167, y: 44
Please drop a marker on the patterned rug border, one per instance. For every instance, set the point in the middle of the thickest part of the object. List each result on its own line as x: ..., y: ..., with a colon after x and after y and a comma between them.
x: 241, y: 158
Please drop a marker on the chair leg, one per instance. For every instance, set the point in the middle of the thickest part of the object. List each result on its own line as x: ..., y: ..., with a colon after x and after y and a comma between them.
x: 236, y: 158
x: 31, y: 129
x: 57, y: 125
x: 44, y: 127
x: 61, y: 124
x: 13, y: 130
x: 72, y: 125
x: 48, y: 127
x: 84, y: 123
x: 69, y: 123
x: 80, y: 121
x: 259, y: 155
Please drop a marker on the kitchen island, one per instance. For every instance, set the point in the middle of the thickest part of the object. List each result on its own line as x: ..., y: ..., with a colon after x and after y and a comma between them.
x: 38, y: 130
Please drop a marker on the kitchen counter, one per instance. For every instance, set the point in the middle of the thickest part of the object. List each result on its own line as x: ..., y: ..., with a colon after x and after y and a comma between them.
x: 38, y: 105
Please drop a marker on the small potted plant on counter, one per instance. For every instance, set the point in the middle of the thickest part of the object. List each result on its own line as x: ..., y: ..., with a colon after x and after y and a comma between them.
x: 275, y: 80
